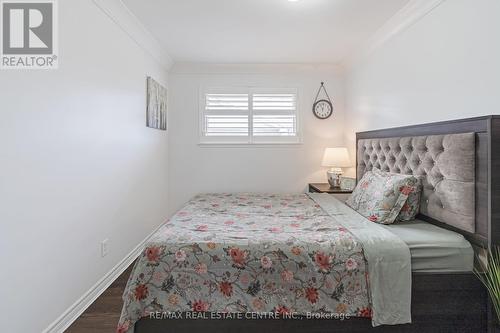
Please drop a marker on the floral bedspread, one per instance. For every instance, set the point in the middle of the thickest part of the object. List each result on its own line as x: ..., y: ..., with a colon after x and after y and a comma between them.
x: 235, y: 253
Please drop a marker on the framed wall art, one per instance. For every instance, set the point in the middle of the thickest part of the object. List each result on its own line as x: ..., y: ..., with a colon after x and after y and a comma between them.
x: 156, y: 110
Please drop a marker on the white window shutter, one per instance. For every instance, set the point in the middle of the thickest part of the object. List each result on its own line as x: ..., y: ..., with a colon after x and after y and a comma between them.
x: 250, y: 116
x: 225, y: 116
x: 274, y: 114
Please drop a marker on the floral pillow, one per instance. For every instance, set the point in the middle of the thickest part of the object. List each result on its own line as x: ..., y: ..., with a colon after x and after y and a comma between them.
x: 380, y: 197
x: 412, y: 205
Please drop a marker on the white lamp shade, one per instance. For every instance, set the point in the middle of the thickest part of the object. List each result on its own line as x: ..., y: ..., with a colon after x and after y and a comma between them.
x: 336, y: 157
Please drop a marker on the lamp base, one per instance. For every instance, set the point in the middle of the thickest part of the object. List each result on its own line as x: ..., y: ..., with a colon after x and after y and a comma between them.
x: 333, y: 176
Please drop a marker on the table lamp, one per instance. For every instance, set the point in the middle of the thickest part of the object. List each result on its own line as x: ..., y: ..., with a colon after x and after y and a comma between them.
x: 335, y: 158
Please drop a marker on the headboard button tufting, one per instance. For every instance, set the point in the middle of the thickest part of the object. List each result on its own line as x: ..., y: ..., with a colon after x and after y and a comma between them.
x: 422, y: 156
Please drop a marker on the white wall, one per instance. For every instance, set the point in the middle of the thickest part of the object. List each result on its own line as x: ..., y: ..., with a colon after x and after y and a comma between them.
x: 194, y: 169
x: 77, y: 165
x: 445, y: 66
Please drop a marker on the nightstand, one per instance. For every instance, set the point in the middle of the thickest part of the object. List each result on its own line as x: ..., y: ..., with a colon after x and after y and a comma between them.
x: 338, y: 193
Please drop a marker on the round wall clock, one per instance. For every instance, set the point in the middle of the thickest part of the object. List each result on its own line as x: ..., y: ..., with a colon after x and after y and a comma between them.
x: 323, y: 108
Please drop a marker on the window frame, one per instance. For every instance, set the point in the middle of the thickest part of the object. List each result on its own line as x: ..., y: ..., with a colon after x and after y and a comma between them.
x: 250, y: 140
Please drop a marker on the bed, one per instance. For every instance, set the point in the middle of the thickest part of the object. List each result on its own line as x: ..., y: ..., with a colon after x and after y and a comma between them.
x: 315, y: 263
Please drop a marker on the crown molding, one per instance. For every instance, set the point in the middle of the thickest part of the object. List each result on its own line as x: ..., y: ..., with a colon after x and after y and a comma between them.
x: 130, y: 24
x: 407, y: 16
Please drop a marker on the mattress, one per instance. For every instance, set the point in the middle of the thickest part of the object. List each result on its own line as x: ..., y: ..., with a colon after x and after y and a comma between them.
x: 267, y: 253
x: 238, y: 253
x: 434, y: 249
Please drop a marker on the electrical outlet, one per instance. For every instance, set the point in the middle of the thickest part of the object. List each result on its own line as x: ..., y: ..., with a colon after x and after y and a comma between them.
x: 104, y: 247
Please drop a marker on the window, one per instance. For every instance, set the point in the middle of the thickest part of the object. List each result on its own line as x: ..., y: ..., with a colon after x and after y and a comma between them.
x: 249, y: 116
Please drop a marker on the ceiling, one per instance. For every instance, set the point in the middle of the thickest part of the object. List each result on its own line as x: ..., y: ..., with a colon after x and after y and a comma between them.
x: 263, y: 31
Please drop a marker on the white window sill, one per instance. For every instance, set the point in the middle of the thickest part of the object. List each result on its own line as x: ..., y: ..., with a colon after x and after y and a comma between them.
x: 250, y: 145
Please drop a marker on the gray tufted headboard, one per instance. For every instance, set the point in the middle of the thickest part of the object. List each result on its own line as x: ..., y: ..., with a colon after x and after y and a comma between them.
x: 445, y: 163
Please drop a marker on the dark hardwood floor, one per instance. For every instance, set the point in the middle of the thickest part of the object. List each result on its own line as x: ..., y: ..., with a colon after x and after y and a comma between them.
x: 102, y: 316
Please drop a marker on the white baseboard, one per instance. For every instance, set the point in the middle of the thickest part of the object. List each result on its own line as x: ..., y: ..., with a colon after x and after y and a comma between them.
x: 75, y: 310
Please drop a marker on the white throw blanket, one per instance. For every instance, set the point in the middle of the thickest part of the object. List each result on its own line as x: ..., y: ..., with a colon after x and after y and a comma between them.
x: 389, y: 262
